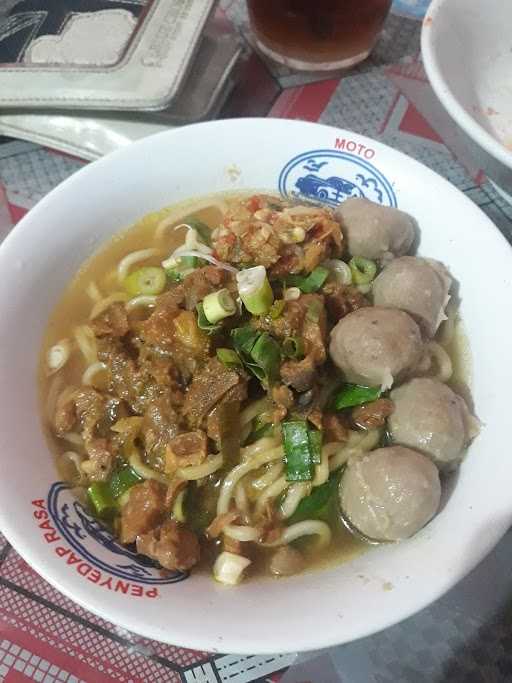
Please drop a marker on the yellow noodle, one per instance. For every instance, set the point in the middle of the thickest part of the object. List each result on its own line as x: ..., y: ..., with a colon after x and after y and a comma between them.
x: 309, y: 527
x: 86, y: 343
x: 442, y: 361
x: 242, y: 533
x: 130, y: 260
x: 102, y: 305
x: 194, y: 472
x: 240, y: 471
x: 272, y: 473
x: 143, y: 470
x: 93, y: 292
x: 296, y: 492
x: 91, y: 372
x: 139, y: 301
x: 270, y: 492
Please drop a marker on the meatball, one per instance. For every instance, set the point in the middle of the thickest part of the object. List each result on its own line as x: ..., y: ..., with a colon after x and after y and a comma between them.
x: 376, y: 346
x: 375, y: 231
x: 430, y: 417
x: 390, y: 493
x: 416, y: 285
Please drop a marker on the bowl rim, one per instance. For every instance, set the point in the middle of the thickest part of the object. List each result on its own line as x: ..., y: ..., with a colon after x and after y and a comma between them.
x: 201, y: 641
x: 458, y: 113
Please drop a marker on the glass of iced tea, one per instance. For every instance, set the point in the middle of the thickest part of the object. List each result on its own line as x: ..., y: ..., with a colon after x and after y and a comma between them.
x: 317, y: 35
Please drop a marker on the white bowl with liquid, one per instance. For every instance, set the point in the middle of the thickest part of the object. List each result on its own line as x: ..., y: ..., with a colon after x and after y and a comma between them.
x: 309, y: 611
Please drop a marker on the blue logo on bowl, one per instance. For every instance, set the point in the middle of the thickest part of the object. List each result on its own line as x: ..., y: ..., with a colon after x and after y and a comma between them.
x: 96, y: 544
x: 329, y: 176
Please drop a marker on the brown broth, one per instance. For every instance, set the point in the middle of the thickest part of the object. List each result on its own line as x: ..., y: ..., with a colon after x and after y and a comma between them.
x: 74, y: 309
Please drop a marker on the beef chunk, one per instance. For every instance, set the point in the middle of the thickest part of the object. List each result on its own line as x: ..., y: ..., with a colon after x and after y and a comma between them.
x: 200, y: 283
x: 160, y: 425
x: 206, y: 390
x: 184, y: 450
x: 112, y: 322
x: 65, y: 412
x: 299, y: 374
x: 143, y: 511
x: 101, y: 459
x: 172, y: 545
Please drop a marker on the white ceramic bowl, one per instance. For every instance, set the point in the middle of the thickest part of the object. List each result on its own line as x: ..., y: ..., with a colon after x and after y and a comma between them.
x: 313, y: 610
x: 467, y: 52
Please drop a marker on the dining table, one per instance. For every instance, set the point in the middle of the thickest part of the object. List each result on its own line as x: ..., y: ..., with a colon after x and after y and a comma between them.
x: 465, y: 637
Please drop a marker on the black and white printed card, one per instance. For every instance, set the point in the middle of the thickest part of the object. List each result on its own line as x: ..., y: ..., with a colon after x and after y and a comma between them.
x: 121, y: 55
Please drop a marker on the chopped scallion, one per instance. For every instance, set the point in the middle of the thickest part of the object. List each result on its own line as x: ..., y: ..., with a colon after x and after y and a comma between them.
x: 266, y: 358
x: 218, y: 305
x: 355, y: 395
x: 201, y: 228
x: 315, y: 445
x: 316, y: 505
x: 203, y: 323
x: 297, y: 451
x: 310, y: 283
x: 229, y: 358
x: 146, y: 281
x: 255, y: 290
x: 122, y: 480
x: 101, y: 498
x: 277, y: 308
x: 363, y: 270
x: 244, y: 339
x: 293, y: 347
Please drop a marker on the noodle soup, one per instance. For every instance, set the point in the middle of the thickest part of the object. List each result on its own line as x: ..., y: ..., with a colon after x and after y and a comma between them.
x: 227, y: 385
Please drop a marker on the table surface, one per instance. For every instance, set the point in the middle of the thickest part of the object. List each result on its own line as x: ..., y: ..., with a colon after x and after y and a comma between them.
x: 462, y: 638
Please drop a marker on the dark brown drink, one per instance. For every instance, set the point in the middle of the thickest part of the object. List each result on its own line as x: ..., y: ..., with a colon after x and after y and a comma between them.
x: 317, y: 34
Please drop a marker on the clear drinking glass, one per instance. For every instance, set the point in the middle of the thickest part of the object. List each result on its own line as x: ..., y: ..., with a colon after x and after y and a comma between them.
x: 317, y: 35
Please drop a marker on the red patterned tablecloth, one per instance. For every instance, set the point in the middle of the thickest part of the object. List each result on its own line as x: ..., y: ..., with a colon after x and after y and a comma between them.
x: 43, y: 635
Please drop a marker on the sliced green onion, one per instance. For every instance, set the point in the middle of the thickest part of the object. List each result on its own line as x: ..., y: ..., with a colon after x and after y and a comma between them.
x: 101, y: 498
x: 177, y: 268
x: 259, y: 352
x: 123, y: 480
x: 311, y: 283
x: 277, y: 308
x: 297, y: 451
x: 259, y: 429
x: 316, y: 505
x: 267, y: 358
x: 146, y: 281
x: 229, y: 358
x: 201, y: 228
x: 313, y: 311
x: 255, y: 290
x: 203, y: 323
x: 244, y: 339
x: 315, y: 445
x: 355, y: 395
x: 293, y: 347
x: 363, y: 270
x: 218, y: 305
